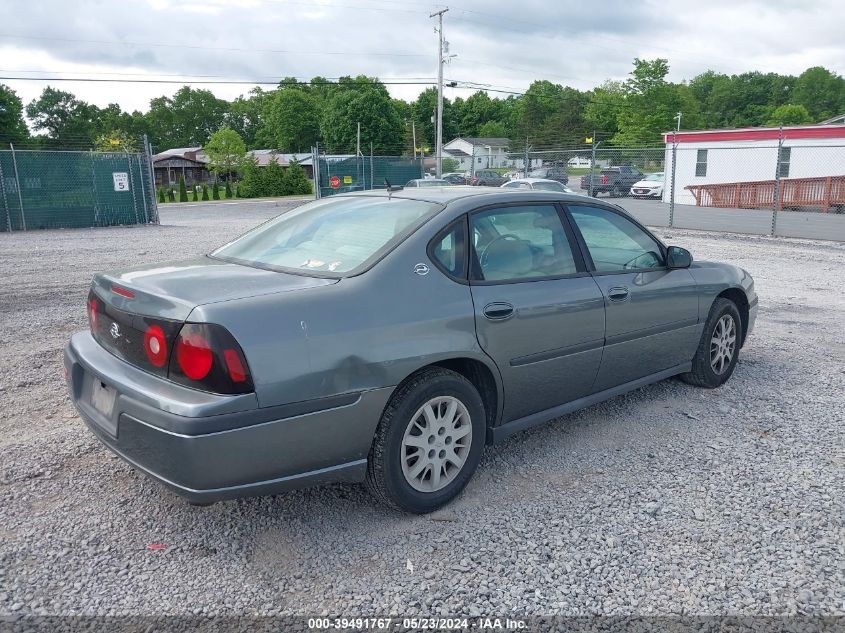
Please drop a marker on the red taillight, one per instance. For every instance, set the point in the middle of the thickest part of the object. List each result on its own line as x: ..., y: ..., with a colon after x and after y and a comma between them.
x: 604, y: 180
x: 92, y: 313
x: 123, y: 292
x: 155, y: 345
x: 234, y: 365
x: 193, y: 353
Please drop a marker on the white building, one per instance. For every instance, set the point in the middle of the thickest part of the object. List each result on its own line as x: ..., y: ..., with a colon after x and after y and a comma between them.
x: 480, y: 153
x: 751, y: 155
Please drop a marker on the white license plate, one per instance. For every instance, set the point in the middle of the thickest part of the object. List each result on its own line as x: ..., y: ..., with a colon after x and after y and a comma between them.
x: 102, y: 397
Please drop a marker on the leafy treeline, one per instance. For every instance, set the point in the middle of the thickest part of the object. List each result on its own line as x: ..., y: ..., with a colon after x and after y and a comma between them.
x: 296, y: 115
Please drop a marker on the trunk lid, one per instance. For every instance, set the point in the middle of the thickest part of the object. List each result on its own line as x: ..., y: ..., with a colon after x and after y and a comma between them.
x: 171, y: 290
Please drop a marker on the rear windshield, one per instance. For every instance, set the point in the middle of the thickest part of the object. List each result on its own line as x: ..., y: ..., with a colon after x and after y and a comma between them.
x: 330, y: 237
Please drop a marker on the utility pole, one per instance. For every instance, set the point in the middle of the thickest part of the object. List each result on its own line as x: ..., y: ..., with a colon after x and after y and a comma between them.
x: 674, y: 166
x: 439, y: 139
x: 414, y: 137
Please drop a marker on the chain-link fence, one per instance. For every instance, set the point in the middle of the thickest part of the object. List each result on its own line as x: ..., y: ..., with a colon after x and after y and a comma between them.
x: 42, y: 189
x: 340, y: 174
x: 788, y: 187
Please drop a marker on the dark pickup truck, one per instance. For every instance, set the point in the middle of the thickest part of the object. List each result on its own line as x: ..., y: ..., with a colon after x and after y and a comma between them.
x: 616, y: 181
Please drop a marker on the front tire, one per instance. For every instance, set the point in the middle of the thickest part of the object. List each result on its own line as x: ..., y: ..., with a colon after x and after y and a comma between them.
x: 718, y: 350
x: 428, y: 443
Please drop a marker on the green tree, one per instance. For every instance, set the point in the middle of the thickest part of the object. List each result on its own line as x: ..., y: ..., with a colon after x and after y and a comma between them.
x: 365, y: 101
x: 602, y: 110
x: 205, y: 192
x: 423, y: 110
x: 272, y: 179
x: 246, y: 118
x: 295, y: 180
x: 215, y: 191
x: 186, y: 120
x: 251, y: 184
x: 229, y: 193
x: 115, y: 141
x: 650, y: 105
x: 493, y: 129
x: 226, y: 151
x: 12, y: 126
x: 821, y: 92
x: 183, y: 192
x: 789, y: 114
x: 292, y: 119
x: 67, y: 121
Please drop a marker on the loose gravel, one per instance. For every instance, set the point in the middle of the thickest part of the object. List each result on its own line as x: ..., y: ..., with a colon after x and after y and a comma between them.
x: 668, y: 500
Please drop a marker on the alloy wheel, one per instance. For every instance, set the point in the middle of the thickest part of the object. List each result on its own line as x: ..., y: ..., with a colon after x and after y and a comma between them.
x: 723, y: 344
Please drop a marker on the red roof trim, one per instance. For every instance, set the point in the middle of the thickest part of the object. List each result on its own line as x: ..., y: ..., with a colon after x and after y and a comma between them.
x: 759, y: 134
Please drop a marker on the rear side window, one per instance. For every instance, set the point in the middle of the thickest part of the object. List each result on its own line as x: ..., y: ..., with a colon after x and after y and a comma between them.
x: 330, y: 237
x: 615, y: 243
x: 448, y: 249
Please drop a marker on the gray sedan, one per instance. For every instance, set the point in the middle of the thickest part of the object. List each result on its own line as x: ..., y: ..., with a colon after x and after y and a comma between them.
x: 387, y: 337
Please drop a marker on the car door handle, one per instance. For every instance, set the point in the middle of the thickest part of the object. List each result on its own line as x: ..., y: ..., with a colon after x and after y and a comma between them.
x: 498, y: 311
x: 619, y: 293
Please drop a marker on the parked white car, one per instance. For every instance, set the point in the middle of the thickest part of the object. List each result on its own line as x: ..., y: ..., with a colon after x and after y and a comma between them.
x: 538, y: 184
x: 649, y: 187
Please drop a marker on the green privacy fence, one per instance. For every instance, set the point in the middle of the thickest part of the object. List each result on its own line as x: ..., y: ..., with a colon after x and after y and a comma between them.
x: 41, y: 189
x: 341, y: 175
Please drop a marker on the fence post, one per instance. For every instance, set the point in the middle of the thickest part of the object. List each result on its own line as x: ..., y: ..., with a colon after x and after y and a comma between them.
x: 776, y: 201
x: 316, y: 169
x: 472, y: 163
x: 672, y: 185
x: 314, y: 172
x: 372, y: 171
x: 593, y: 164
x: 5, y: 201
x: 18, y: 184
x: 148, y: 151
x: 132, y: 188
x: 525, y: 160
x: 94, y: 188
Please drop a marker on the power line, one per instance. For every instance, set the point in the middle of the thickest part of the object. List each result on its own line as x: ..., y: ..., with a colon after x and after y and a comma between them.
x: 211, y: 81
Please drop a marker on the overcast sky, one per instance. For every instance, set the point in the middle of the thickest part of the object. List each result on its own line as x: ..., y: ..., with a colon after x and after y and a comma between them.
x: 504, y: 44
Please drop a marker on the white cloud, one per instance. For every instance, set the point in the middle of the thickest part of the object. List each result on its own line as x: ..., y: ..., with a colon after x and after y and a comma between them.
x: 498, y: 42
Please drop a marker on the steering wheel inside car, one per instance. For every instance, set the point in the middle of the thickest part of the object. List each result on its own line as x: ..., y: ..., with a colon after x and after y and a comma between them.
x: 482, y: 259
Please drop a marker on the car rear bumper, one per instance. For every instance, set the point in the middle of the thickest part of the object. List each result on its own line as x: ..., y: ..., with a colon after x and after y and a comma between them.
x: 208, y: 447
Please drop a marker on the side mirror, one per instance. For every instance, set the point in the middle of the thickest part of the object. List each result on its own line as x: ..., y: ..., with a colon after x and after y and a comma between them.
x: 677, y: 257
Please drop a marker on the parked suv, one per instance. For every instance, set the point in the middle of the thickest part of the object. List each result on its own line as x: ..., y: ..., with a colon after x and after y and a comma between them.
x: 488, y: 178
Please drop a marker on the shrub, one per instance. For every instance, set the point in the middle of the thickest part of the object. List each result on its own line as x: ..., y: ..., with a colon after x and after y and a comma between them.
x: 205, y: 192
x: 215, y: 191
x: 183, y: 192
x: 171, y: 195
x: 161, y: 196
x: 295, y: 181
x: 228, y: 190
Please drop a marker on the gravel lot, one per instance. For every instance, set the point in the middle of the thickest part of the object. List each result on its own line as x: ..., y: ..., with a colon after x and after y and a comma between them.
x: 668, y: 500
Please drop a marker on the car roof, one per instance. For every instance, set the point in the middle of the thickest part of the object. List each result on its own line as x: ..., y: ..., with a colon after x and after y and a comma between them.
x: 483, y: 195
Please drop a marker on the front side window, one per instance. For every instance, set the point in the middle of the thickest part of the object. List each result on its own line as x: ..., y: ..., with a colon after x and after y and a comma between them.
x: 701, y: 163
x: 615, y: 243
x: 521, y: 243
x: 329, y: 237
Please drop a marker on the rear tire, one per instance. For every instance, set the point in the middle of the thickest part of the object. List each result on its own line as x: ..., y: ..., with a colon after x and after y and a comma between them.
x: 718, y: 350
x: 422, y: 458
